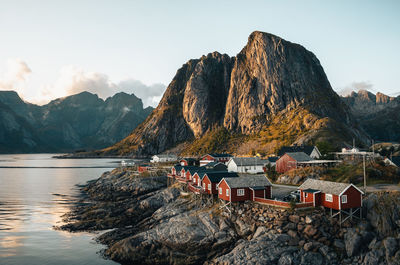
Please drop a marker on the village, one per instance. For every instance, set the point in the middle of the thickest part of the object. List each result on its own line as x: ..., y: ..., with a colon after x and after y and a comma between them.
x: 221, y: 177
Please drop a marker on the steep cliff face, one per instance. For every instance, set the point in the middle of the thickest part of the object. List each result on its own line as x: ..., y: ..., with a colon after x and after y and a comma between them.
x: 378, y: 114
x: 243, y: 95
x: 270, y: 75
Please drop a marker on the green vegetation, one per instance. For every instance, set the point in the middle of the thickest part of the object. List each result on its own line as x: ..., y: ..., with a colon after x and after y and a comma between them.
x: 218, y: 139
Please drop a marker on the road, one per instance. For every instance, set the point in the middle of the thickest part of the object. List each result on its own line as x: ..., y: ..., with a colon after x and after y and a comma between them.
x: 383, y: 187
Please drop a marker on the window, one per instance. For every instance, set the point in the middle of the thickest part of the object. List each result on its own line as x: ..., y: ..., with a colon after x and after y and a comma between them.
x: 209, y: 187
x: 328, y: 197
x: 240, y: 192
x: 204, y: 185
x: 305, y: 195
x: 227, y: 192
x: 344, y: 198
x: 220, y: 191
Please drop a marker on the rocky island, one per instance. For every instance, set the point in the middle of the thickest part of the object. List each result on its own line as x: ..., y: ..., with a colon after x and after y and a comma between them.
x: 155, y: 224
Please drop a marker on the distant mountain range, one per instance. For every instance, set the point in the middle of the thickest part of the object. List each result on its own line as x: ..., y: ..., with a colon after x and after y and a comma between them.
x: 378, y: 114
x: 81, y: 121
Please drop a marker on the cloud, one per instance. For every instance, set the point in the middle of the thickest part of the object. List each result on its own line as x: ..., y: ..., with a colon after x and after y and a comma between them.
x: 150, y: 94
x: 356, y: 86
x: 72, y: 80
x: 15, y: 76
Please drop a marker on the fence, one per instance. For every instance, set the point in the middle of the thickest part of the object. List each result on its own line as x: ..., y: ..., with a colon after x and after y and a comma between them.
x: 282, y: 203
x: 193, y: 189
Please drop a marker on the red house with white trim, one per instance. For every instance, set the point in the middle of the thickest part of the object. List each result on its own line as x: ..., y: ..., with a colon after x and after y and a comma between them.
x: 210, y: 180
x: 334, y: 195
x: 290, y: 161
x: 208, y: 158
x: 244, y: 188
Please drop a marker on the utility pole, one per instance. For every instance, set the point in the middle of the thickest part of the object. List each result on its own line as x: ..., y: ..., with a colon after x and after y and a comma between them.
x: 365, y: 176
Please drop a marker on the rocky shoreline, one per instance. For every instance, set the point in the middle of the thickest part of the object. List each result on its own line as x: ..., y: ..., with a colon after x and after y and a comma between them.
x: 153, y: 224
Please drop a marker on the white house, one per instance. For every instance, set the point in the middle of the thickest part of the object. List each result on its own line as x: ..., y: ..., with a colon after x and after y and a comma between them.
x: 163, y: 158
x: 246, y: 165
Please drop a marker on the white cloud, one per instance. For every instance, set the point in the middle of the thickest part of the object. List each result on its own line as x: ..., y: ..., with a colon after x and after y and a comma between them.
x: 15, y: 76
x: 72, y: 80
x: 356, y: 86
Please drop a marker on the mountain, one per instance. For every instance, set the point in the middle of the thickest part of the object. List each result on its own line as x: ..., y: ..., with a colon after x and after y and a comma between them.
x: 273, y: 92
x: 378, y: 114
x: 81, y: 121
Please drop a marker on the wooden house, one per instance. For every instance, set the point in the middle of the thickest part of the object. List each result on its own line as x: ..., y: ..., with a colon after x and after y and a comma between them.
x: 176, y: 170
x: 210, y: 180
x: 143, y: 168
x: 334, y: 195
x: 244, y: 188
x: 310, y: 150
x: 163, y: 158
x: 291, y: 161
x: 216, y: 166
x: 189, y: 162
x: 208, y: 158
x: 246, y: 165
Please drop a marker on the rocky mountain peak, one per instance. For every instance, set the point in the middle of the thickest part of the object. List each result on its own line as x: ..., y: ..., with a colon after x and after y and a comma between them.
x: 241, y: 94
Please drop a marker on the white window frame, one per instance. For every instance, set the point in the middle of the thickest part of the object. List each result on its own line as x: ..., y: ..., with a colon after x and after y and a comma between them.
x: 344, y: 199
x: 209, y: 187
x: 227, y: 192
x: 328, y: 197
x: 240, y: 192
x: 220, y: 191
x: 204, y: 186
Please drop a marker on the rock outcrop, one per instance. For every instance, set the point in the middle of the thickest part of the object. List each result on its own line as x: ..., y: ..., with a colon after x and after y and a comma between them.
x: 269, y: 83
x: 158, y: 225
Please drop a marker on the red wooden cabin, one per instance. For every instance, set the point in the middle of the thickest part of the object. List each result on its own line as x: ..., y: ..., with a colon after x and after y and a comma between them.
x: 334, y: 195
x: 189, y: 162
x: 143, y: 168
x: 208, y: 158
x: 244, y: 188
x: 290, y: 161
x: 210, y: 180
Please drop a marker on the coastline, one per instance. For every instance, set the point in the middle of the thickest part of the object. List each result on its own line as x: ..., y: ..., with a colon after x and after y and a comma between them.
x: 153, y: 224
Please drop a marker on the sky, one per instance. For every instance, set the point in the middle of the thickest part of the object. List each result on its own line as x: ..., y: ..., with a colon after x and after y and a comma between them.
x: 54, y: 48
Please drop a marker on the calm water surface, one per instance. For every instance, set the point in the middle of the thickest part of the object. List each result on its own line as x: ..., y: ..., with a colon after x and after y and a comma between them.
x: 35, y: 190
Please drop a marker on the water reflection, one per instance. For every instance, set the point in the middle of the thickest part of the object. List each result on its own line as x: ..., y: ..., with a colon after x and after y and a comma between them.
x: 32, y: 200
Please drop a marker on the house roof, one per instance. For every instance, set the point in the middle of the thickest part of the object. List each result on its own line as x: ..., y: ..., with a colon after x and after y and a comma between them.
x: 294, y: 149
x: 178, y: 167
x: 272, y: 159
x: 299, y: 156
x: 165, y: 156
x: 247, y: 161
x: 248, y: 181
x: 329, y: 187
x: 188, y: 159
x: 219, y: 155
x: 311, y: 191
x: 217, y: 176
x: 213, y: 164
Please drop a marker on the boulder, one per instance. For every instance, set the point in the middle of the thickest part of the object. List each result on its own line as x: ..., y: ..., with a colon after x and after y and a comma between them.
x: 309, y: 220
x: 310, y: 230
x: 294, y: 218
x: 391, y: 246
x: 308, y: 246
x: 353, y: 242
x: 312, y: 258
x: 373, y: 257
